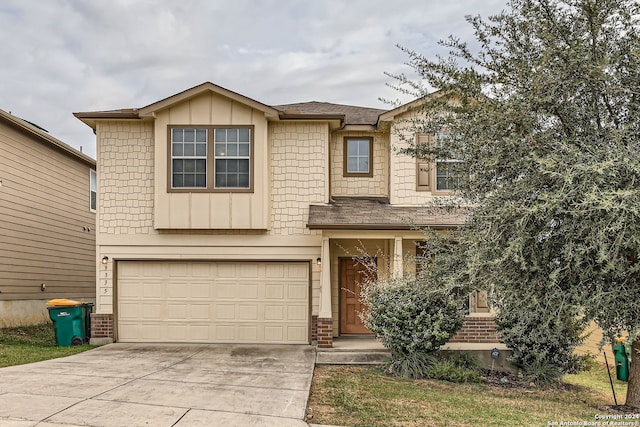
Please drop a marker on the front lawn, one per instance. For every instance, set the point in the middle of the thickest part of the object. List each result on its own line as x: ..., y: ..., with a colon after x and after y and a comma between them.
x: 364, y: 396
x: 28, y: 344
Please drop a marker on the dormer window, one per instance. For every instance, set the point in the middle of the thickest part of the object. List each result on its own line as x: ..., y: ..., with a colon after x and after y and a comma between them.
x: 358, y: 156
x: 211, y: 158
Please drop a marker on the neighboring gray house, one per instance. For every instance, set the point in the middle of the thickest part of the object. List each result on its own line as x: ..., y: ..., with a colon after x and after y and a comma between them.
x: 47, y: 222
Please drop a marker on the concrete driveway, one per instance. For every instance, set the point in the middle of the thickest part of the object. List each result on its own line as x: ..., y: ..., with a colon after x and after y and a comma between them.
x: 161, y: 385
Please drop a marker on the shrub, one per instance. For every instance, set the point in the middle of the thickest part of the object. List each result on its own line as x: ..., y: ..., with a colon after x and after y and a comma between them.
x: 412, y: 320
x: 543, y: 335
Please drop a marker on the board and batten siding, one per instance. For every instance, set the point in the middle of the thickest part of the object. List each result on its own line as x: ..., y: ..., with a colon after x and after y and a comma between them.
x: 47, y: 229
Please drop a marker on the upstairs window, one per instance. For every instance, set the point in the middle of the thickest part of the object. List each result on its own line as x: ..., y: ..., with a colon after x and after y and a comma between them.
x: 447, y: 177
x: 189, y: 158
x: 358, y: 156
x: 232, y: 157
x: 440, y: 174
x: 93, y: 191
x: 211, y: 158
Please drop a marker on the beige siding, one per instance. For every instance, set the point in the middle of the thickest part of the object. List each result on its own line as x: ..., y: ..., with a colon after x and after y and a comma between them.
x: 378, y: 185
x: 592, y: 344
x: 125, y: 177
x: 220, y: 210
x: 298, y: 174
x: 404, y: 170
x: 48, y: 231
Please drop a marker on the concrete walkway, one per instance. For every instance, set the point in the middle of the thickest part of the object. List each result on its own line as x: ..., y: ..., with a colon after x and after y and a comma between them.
x: 161, y: 385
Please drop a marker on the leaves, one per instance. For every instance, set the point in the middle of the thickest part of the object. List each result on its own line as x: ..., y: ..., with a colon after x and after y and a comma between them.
x: 544, y: 111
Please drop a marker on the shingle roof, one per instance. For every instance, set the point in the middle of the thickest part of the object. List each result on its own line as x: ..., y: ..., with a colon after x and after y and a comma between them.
x: 373, y: 213
x: 353, y: 115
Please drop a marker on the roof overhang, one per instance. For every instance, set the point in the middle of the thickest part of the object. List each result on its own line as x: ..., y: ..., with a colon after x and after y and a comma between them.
x: 376, y: 213
x: 409, y: 106
x: 44, y: 137
x: 90, y: 118
x: 336, y: 121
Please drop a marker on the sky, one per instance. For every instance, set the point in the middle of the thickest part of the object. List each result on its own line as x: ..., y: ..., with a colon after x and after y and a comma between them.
x: 66, y: 56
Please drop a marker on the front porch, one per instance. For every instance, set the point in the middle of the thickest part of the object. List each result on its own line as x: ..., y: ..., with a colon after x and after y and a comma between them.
x: 388, y: 254
x: 369, y: 351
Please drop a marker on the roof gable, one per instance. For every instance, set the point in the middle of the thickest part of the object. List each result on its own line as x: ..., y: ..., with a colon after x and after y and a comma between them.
x: 352, y: 114
x: 206, y: 87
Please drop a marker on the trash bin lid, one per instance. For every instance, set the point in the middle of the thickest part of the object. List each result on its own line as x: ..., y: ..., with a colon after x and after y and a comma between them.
x: 63, y: 302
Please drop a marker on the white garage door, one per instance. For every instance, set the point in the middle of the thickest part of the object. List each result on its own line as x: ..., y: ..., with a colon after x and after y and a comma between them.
x: 265, y: 302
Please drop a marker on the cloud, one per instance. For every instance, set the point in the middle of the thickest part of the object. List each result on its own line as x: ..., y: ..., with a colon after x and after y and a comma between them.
x: 63, y: 56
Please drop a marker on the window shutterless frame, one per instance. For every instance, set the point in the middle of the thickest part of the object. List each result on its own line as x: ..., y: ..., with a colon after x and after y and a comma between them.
x: 358, y: 156
x: 212, y: 158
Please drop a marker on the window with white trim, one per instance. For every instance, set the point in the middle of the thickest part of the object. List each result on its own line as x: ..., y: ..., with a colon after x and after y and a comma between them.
x: 93, y: 191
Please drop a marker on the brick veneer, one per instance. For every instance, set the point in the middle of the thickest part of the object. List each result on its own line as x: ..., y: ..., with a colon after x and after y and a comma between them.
x: 325, y: 333
x: 101, y: 325
x: 477, y: 330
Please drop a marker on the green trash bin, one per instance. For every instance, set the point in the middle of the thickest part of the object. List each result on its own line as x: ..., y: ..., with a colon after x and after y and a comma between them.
x: 69, y: 321
x: 88, y: 309
x: 622, y: 353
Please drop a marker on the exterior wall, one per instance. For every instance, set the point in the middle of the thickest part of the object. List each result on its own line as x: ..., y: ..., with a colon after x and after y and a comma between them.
x: 125, y: 177
x: 47, y: 248
x: 403, y: 168
x: 298, y: 174
x: 126, y: 184
x: 198, y: 210
x: 592, y: 344
x: 376, y: 186
x: 477, y: 329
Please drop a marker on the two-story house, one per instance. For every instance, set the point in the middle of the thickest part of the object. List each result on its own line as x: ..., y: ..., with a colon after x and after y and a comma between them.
x: 47, y: 222
x: 225, y: 220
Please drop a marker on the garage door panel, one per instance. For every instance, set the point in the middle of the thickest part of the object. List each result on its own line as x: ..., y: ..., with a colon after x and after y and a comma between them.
x: 226, y: 270
x: 297, y: 291
x: 177, y: 312
x: 249, y: 271
x: 213, y: 302
x: 274, y: 271
x: 151, y: 311
x: 274, y: 333
x: 248, y: 291
x: 296, y: 333
x: 200, y: 311
x: 224, y: 311
x: 274, y: 291
x: 298, y: 271
x: 152, y: 290
x: 295, y: 312
x: 274, y: 312
x: 247, y: 312
x: 225, y: 290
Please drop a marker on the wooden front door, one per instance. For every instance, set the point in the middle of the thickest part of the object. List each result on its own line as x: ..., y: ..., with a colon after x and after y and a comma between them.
x: 352, y: 274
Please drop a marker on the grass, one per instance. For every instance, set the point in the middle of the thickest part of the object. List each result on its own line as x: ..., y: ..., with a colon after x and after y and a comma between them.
x: 364, y: 396
x: 28, y: 344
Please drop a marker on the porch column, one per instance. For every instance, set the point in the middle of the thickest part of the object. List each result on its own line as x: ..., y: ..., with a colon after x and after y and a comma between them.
x: 398, y: 262
x: 325, y: 318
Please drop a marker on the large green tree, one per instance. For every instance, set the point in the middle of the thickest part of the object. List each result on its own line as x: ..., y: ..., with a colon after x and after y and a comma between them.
x: 543, y: 110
